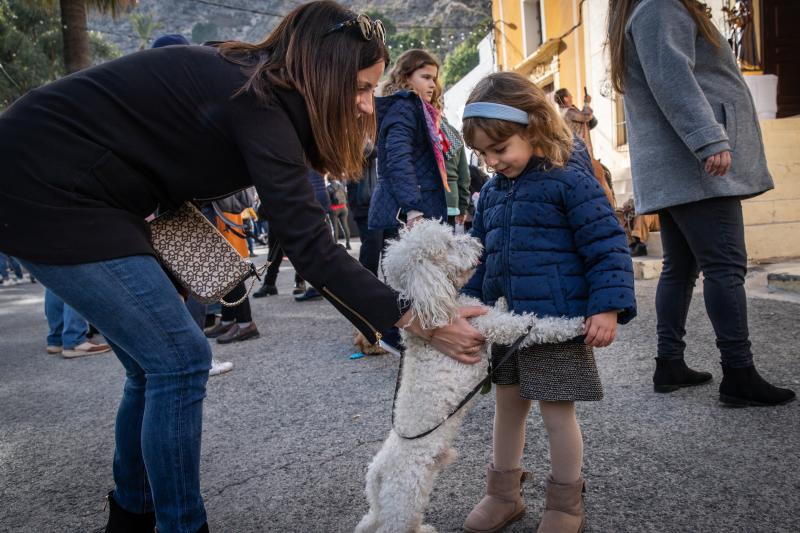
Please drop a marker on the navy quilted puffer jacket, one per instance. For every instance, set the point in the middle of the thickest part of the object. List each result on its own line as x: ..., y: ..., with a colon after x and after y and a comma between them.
x: 408, y: 178
x: 552, y: 244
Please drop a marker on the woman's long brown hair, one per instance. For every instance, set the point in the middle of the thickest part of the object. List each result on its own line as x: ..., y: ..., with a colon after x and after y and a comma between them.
x: 619, y: 11
x: 404, y: 67
x: 323, y: 68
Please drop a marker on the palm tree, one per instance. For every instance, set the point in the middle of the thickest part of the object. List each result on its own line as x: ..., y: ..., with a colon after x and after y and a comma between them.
x: 144, y: 25
x: 74, y: 31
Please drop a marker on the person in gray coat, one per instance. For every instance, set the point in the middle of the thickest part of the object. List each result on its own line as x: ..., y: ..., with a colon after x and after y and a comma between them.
x: 696, y: 152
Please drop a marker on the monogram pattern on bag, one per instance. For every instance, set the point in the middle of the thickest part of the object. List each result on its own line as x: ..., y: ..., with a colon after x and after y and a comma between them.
x: 193, y: 251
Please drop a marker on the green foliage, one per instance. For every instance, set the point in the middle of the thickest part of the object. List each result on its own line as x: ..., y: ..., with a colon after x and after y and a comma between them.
x: 144, y: 24
x: 461, y: 60
x: 31, y: 44
x: 458, y: 59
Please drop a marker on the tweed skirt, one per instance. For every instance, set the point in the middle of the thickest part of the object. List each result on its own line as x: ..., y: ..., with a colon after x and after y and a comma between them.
x: 564, y: 371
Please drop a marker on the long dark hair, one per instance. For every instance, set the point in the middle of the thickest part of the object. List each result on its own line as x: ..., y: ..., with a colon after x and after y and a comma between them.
x: 323, y: 68
x: 619, y: 11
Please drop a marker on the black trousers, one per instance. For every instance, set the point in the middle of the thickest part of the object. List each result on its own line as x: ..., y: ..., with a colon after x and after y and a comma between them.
x: 369, y: 255
x: 239, y: 313
x: 276, y: 258
x: 707, y: 237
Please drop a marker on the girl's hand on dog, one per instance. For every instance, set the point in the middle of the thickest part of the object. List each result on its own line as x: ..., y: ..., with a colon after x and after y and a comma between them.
x: 600, y: 329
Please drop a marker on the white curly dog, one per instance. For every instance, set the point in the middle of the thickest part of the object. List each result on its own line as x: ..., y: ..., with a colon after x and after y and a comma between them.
x: 427, y: 266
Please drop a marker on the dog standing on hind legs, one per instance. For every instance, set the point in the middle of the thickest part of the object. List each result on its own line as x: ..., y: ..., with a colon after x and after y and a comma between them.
x: 427, y: 266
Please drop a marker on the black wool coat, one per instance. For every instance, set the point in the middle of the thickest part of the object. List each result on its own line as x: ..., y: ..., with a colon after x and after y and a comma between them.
x: 87, y: 157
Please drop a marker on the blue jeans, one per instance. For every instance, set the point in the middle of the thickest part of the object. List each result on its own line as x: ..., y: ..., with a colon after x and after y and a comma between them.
x: 8, y: 261
x: 166, y: 359
x: 705, y: 236
x: 67, y: 327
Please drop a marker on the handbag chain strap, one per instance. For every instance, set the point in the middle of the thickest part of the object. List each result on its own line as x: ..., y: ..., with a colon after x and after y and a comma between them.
x: 256, y: 275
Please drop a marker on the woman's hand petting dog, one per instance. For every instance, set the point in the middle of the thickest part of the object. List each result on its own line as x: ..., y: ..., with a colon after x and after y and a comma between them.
x: 601, y: 329
x: 458, y: 340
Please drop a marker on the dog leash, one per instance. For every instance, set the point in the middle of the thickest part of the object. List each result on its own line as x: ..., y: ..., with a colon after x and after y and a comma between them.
x: 485, y: 381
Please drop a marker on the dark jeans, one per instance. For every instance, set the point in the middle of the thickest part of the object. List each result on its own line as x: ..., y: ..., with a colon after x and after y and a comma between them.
x: 708, y: 237
x: 371, y: 244
x: 238, y: 313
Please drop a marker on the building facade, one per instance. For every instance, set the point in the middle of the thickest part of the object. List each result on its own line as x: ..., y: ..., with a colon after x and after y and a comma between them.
x: 560, y: 44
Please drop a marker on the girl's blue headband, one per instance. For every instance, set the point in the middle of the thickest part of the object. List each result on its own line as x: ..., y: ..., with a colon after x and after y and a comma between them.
x: 496, y: 111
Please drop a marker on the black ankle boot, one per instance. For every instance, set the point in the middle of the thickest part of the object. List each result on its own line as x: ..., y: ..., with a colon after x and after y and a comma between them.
x: 744, y: 386
x: 672, y: 374
x: 638, y: 248
x: 122, y: 521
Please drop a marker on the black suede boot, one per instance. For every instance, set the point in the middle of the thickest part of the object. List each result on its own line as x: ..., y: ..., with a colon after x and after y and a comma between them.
x: 122, y: 521
x: 672, y: 374
x: 744, y: 386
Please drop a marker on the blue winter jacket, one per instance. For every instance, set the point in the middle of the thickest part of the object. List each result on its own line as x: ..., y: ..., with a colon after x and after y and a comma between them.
x: 552, y: 244
x: 408, y: 177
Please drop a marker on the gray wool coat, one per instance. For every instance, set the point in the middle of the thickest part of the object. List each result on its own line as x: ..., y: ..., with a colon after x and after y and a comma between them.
x: 686, y: 100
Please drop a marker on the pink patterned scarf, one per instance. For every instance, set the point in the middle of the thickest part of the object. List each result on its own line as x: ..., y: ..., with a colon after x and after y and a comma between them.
x: 432, y: 121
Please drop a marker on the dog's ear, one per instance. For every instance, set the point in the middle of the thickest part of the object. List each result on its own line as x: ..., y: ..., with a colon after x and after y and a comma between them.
x: 431, y: 293
x: 470, y: 249
x: 416, y: 266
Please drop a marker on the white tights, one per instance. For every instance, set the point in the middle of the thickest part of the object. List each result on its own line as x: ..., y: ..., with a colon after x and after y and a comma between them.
x: 563, y: 432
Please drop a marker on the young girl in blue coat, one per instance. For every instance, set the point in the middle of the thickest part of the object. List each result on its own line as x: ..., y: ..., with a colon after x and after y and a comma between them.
x: 552, y: 246
x: 412, y: 149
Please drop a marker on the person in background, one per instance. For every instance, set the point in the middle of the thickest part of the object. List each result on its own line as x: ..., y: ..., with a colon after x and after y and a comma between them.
x: 412, y: 177
x: 339, y: 211
x: 276, y: 254
x: 68, y: 334
x: 359, y: 195
x: 237, y: 320
x: 458, y: 177
x: 581, y: 121
x: 7, y: 261
x: 477, y: 179
x: 696, y: 152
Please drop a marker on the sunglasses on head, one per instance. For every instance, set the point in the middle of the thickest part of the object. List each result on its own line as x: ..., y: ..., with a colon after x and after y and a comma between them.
x: 370, y: 29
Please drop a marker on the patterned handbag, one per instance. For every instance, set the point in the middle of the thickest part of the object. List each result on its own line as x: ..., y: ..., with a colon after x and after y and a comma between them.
x: 198, y: 256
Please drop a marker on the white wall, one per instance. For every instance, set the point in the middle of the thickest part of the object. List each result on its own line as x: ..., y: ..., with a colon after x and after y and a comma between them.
x: 456, y: 97
x: 595, y: 14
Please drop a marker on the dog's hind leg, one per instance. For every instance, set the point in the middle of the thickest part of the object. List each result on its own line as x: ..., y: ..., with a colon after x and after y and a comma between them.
x: 405, y: 495
x: 369, y: 523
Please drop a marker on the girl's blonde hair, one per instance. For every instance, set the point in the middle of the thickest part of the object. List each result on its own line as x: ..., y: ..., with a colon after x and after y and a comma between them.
x: 404, y: 67
x: 545, y: 130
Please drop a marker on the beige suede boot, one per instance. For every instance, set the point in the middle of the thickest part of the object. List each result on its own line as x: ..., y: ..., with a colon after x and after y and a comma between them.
x: 563, y: 507
x: 502, y: 504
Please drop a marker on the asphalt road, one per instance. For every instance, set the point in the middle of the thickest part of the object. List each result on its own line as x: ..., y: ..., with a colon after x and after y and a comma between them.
x: 288, y: 434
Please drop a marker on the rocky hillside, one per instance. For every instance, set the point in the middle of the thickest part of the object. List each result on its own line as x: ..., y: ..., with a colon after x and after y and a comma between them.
x: 250, y: 20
